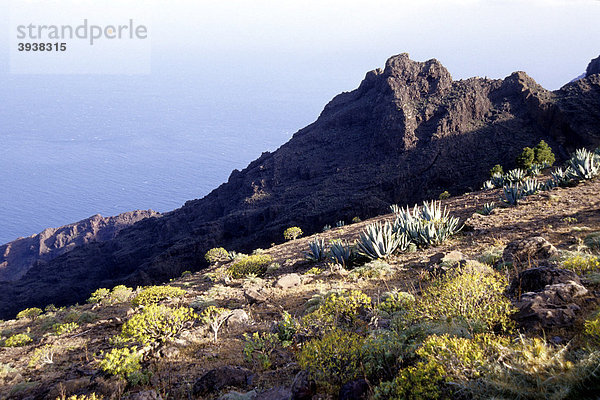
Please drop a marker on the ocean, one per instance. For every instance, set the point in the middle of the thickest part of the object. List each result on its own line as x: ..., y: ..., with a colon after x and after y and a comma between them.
x: 74, y: 146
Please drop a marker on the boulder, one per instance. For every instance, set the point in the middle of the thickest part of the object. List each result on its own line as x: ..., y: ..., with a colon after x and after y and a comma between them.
x: 146, y: 395
x: 288, y: 281
x: 233, y: 395
x: 254, y: 296
x: 237, y: 317
x: 303, y: 387
x: 221, y: 377
x: 529, y: 251
x: 276, y: 393
x: 548, y: 298
x: 355, y: 390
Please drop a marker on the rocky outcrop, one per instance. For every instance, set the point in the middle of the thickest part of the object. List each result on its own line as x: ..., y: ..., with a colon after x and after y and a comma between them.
x: 529, y: 251
x: 593, y: 67
x: 547, y: 298
x: 406, y: 134
x: 18, y: 256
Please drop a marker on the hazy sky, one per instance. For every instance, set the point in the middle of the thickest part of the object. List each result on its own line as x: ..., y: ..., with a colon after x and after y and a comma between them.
x: 340, y: 40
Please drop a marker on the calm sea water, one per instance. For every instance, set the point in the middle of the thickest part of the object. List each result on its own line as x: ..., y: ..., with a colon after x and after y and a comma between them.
x: 72, y: 147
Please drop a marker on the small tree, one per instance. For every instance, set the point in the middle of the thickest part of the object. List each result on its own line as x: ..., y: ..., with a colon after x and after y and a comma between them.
x: 292, y: 233
x: 543, y: 154
x: 497, y: 170
x: 526, y: 158
x: 215, y: 317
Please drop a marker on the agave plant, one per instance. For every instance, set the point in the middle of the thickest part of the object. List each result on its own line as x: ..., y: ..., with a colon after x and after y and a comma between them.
x: 535, y: 169
x: 326, y: 228
x: 339, y: 224
x: 427, y: 226
x: 561, y: 177
x: 549, y: 185
x: 514, y: 176
x: 340, y: 252
x: 531, y: 186
x: 488, y: 208
x: 497, y: 180
x: 317, y: 250
x: 584, y: 165
x: 380, y: 241
x: 512, y: 194
x: 488, y: 185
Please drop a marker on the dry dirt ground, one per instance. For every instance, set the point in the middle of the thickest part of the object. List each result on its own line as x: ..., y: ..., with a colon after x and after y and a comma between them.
x: 563, y: 216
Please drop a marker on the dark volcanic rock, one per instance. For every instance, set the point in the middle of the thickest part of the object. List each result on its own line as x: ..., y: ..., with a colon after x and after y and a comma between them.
x: 536, y: 279
x: 407, y: 133
x: 219, y: 378
x: 355, y: 390
x: 18, y: 256
x: 529, y: 251
x: 593, y: 67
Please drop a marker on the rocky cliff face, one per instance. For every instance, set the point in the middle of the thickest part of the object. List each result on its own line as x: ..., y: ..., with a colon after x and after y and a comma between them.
x: 18, y: 256
x: 407, y: 133
x: 593, y: 67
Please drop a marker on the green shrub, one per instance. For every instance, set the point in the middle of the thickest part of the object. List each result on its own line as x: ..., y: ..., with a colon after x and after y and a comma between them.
x: 255, y: 264
x: 61, y: 329
x: 497, y: 170
x: 286, y: 329
x: 41, y: 356
x: 592, y: 241
x: 444, y: 195
x: 258, y: 348
x: 543, y: 154
x: 334, y: 359
x: 216, y: 254
x: 215, y: 317
x: 396, y: 301
x: 120, y: 294
x: 30, y: 313
x: 18, y: 340
x: 383, y: 353
x: 356, y: 220
x: 341, y: 309
x: 526, y: 158
x: 373, y: 270
x: 582, y: 263
x: 473, y: 296
x: 98, y: 295
x: 292, y: 233
x: 381, y: 241
x: 419, y: 382
x: 92, y: 396
x: 156, y: 324
x: 592, y: 328
x: 155, y: 294
x: 121, y: 362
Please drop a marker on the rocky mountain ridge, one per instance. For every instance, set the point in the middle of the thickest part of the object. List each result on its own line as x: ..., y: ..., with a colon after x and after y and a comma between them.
x: 18, y: 256
x: 407, y: 133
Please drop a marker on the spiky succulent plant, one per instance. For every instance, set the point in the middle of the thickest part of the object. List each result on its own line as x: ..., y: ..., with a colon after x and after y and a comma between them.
x: 488, y: 208
x: 512, y: 194
x: 316, y: 250
x: 584, y: 165
x: 514, y: 176
x: 380, y: 241
x: 340, y: 252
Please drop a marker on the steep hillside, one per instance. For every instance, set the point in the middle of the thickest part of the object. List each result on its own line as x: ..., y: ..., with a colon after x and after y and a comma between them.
x: 407, y: 133
x: 66, y: 348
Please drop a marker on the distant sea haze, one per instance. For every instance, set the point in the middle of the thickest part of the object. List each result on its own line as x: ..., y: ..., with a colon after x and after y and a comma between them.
x: 111, y: 145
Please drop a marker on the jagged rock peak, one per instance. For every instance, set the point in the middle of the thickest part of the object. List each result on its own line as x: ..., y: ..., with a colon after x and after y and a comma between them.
x: 593, y: 67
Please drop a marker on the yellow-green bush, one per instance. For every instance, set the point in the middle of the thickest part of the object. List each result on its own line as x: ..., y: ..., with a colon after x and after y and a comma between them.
x: 18, y: 340
x: 92, y: 396
x: 157, y: 323
x: 333, y: 360
x: 121, y: 362
x: 383, y: 353
x: 593, y: 241
x: 462, y: 358
x: 252, y: 265
x: 61, y: 329
x: 419, y: 382
x: 98, y: 295
x: 592, y: 328
x: 42, y: 355
x: 31, y: 313
x: 216, y: 254
x: 341, y: 309
x: 214, y: 317
x: 582, y: 263
x: 155, y: 294
x: 473, y: 295
x: 396, y: 301
x: 258, y: 348
x: 292, y: 233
